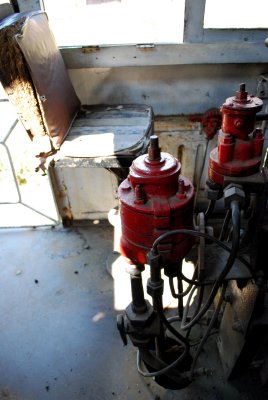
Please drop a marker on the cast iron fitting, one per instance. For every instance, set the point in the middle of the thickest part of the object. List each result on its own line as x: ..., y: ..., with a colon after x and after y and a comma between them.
x: 155, y: 289
x: 154, y: 261
x: 139, y: 305
x: 234, y: 192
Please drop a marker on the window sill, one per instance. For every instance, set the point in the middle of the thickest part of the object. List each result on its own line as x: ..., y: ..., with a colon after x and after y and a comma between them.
x: 165, y: 54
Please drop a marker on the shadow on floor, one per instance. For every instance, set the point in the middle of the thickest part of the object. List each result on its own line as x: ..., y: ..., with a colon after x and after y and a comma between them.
x: 58, y: 330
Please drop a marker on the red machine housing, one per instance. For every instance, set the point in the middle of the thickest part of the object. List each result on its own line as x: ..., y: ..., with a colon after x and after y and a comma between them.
x: 155, y: 199
x: 239, y: 148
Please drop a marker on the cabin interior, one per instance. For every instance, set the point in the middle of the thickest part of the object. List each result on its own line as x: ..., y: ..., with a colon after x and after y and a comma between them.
x: 133, y: 199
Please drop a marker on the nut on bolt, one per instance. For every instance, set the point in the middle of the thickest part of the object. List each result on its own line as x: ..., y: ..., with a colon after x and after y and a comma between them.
x: 234, y: 192
x: 155, y: 290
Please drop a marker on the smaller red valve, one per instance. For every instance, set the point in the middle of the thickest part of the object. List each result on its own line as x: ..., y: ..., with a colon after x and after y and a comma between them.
x: 239, y: 148
x: 210, y: 121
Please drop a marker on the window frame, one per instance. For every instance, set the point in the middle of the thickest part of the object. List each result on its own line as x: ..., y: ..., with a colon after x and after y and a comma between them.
x: 200, y: 45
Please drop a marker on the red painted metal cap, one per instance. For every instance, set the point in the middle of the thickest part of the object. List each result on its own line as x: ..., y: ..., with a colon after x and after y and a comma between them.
x: 157, y: 170
x: 243, y: 101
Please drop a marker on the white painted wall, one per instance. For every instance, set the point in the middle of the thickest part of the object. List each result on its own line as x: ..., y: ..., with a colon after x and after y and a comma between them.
x: 170, y: 90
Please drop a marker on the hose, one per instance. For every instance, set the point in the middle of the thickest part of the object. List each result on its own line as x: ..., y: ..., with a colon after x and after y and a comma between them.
x: 190, y: 281
x: 209, y: 209
x: 210, y: 326
x: 180, y: 298
x: 180, y: 379
x: 165, y: 321
x: 161, y: 371
x: 182, y: 294
x: 196, y: 234
x: 187, y: 232
x: 201, y: 291
x: 159, y: 309
x: 234, y: 249
x: 201, y: 173
x: 178, y: 295
x: 225, y: 224
x: 235, y: 212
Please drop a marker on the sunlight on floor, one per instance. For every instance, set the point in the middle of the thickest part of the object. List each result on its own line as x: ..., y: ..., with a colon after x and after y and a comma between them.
x: 122, y: 290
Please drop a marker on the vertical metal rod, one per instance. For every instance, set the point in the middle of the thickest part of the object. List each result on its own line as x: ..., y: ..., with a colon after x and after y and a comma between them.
x: 138, y: 302
x: 180, y: 290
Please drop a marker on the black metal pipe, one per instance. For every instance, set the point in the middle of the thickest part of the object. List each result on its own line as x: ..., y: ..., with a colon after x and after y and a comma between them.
x: 209, y: 209
x: 139, y: 305
x: 262, y: 117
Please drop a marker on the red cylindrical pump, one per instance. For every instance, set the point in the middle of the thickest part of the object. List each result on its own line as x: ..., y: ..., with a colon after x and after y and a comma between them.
x: 239, y: 148
x: 155, y: 199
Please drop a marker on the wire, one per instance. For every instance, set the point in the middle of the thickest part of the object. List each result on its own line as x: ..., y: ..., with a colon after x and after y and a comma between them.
x: 198, y: 313
x: 187, y: 306
x: 182, y: 294
x: 181, y: 338
x: 180, y: 298
x: 209, y: 209
x: 201, y: 291
x: 225, y: 224
x: 178, y: 295
x: 235, y: 245
x: 160, y: 372
x: 187, y: 232
x: 196, y: 234
x: 210, y: 326
x: 190, y: 281
x: 159, y: 310
x: 201, y: 173
x: 233, y: 255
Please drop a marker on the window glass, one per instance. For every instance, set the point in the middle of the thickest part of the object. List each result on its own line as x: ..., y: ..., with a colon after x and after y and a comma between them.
x: 236, y: 14
x: 96, y: 22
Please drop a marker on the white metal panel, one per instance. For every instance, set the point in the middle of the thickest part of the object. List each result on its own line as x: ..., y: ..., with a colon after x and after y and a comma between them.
x: 83, y: 193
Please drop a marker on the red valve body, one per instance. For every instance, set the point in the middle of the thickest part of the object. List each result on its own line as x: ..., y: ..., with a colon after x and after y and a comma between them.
x: 155, y: 199
x: 239, y: 149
